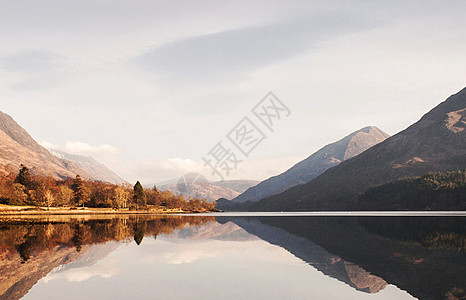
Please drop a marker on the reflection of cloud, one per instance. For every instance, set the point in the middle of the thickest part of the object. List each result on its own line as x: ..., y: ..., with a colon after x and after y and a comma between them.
x: 82, y: 274
x: 230, y: 55
x: 175, y: 253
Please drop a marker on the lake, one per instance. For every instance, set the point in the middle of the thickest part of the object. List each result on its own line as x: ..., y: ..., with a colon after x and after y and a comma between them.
x: 234, y: 256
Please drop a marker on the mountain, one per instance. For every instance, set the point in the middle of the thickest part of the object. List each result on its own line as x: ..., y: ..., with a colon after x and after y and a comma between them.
x: 214, y: 231
x: 325, y: 158
x: 92, y: 167
x: 195, y: 186
x: 436, y: 143
x: 18, y: 147
x: 239, y: 186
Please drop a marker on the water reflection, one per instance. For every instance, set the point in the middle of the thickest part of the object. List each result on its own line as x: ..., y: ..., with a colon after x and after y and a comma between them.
x: 178, y: 257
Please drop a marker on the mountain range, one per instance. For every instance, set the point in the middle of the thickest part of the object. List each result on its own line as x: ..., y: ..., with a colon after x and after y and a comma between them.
x: 92, y: 167
x: 18, y: 147
x: 437, y: 142
x: 311, y: 167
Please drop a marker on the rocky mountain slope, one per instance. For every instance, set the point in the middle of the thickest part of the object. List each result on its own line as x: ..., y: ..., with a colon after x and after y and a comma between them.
x: 325, y: 158
x: 18, y: 147
x: 92, y: 167
x: 437, y: 142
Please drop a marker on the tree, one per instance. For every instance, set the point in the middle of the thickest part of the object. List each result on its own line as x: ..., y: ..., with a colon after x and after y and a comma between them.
x: 49, y: 198
x: 65, y: 195
x: 139, y: 195
x: 18, y: 196
x: 24, y: 176
x: 79, y: 192
x: 121, y: 196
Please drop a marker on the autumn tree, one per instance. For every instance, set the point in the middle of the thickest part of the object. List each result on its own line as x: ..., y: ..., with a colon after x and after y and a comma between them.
x: 65, y: 195
x: 18, y: 195
x: 49, y: 198
x: 121, y: 197
x: 79, y: 191
x: 24, y: 176
x: 139, y: 195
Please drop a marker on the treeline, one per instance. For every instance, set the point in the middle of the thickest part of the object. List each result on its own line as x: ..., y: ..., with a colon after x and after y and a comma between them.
x: 25, y: 238
x: 36, y: 190
x: 433, y: 191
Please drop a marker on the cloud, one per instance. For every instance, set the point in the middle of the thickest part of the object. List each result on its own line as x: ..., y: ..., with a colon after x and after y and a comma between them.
x: 81, y: 148
x: 230, y: 55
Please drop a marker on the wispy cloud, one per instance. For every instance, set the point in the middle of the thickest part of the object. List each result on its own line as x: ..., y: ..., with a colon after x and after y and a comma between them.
x: 229, y: 55
x: 37, y: 69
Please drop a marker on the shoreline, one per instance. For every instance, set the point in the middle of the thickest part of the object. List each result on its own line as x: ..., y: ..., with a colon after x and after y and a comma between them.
x: 7, y: 210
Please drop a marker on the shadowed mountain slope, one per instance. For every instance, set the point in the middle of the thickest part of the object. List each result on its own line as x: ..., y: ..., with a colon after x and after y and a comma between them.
x: 437, y: 142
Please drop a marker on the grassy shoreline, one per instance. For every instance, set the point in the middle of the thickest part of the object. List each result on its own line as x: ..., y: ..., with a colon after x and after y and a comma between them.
x: 34, y: 210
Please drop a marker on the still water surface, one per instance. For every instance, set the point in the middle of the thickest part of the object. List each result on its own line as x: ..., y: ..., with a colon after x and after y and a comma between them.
x: 233, y: 257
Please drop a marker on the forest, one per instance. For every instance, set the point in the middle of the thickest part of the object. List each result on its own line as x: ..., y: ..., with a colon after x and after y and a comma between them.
x: 433, y: 191
x: 25, y: 189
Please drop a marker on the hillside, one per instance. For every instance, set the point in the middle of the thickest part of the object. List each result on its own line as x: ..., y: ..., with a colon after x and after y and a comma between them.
x: 18, y: 147
x: 304, y: 171
x: 437, y: 142
x: 436, y: 191
x: 92, y: 167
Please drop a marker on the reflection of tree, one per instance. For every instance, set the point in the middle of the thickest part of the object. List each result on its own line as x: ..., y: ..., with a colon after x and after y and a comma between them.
x: 139, y: 231
x: 77, y: 238
x: 27, y: 237
x: 24, y: 250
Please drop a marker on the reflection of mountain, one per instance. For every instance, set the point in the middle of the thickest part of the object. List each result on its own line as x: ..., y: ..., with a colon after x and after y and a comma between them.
x: 214, y: 231
x: 424, y: 256
x: 89, y: 257
x: 31, y: 249
x: 316, y: 256
x: 16, y: 278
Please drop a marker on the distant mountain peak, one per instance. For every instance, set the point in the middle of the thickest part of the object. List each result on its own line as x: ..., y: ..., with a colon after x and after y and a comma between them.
x: 325, y: 158
x: 435, y: 143
x: 363, y: 139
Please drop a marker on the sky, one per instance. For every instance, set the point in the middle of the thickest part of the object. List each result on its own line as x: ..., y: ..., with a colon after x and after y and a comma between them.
x: 149, y: 88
